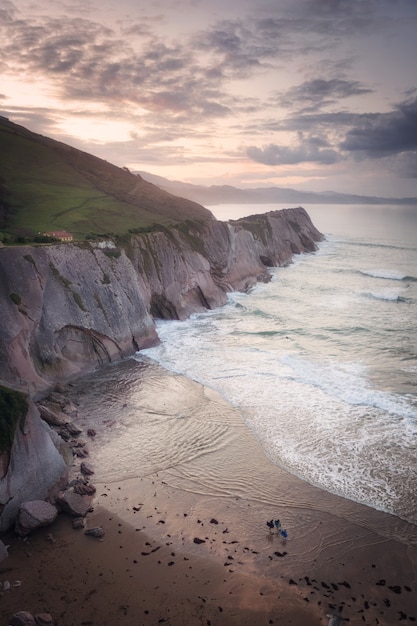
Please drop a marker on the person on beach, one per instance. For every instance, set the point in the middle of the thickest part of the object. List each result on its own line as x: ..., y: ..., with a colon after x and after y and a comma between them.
x: 277, y: 525
x: 270, y: 525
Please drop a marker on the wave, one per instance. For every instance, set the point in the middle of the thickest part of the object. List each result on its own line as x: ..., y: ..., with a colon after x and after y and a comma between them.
x: 348, y: 383
x: 387, y: 274
x: 387, y: 297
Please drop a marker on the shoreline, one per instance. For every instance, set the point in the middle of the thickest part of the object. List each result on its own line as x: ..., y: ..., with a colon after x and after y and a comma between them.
x: 340, y: 558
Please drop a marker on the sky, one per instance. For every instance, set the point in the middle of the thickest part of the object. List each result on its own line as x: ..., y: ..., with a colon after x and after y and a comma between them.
x: 309, y: 94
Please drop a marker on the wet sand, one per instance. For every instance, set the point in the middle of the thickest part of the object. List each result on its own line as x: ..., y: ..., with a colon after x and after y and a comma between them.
x: 186, y: 542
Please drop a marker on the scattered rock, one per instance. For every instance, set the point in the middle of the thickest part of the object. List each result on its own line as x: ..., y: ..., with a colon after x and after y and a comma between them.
x: 44, y: 619
x: 22, y: 618
x: 74, y: 504
x: 6, y: 585
x: 53, y: 418
x: 33, y: 515
x: 98, y: 532
x: 78, y: 522
x: 73, y: 429
x: 91, y: 432
x: 198, y: 540
x: 80, y: 451
x: 84, y: 489
x: 86, y: 469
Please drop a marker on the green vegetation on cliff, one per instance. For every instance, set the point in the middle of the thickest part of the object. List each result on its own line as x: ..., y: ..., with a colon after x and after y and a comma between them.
x: 49, y: 186
x: 13, y: 410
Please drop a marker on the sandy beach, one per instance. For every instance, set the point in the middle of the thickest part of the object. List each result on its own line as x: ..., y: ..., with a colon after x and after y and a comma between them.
x: 186, y: 540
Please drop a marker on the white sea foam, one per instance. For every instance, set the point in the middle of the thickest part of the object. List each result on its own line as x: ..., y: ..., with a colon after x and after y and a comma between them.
x: 387, y: 274
x: 300, y: 358
x: 389, y: 296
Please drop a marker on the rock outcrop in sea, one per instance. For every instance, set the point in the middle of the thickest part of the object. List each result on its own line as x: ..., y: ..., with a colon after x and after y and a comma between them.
x: 68, y: 308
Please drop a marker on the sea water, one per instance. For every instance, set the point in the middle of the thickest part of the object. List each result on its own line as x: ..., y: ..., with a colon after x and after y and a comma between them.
x: 322, y: 361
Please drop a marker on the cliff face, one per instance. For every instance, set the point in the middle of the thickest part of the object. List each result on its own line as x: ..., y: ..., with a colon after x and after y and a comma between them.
x: 34, y: 468
x: 68, y: 308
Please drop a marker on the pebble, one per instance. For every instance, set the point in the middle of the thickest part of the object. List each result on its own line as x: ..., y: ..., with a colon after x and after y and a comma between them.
x: 98, y: 532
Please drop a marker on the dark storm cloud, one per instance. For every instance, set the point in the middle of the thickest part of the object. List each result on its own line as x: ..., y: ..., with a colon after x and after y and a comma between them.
x: 384, y: 134
x: 334, y: 17
x: 308, y: 150
x: 237, y: 48
x: 317, y: 93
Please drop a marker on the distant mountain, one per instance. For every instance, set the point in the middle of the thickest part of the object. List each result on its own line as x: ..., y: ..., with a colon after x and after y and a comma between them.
x: 46, y: 185
x: 226, y: 194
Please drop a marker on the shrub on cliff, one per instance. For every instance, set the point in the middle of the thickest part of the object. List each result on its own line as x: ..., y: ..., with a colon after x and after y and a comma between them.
x: 13, y: 409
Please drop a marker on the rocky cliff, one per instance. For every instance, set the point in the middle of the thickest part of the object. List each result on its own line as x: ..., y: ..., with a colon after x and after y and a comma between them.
x: 66, y: 309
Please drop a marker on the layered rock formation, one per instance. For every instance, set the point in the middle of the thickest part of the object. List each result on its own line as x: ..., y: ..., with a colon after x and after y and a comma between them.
x: 66, y: 309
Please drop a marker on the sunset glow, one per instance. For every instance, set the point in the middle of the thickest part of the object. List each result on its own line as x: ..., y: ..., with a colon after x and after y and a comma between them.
x: 301, y: 93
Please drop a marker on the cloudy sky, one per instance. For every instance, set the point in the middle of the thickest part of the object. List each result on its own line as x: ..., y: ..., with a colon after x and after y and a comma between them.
x: 309, y: 94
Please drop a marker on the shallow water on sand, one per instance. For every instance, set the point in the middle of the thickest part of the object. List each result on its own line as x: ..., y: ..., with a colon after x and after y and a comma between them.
x: 322, y: 362
x: 154, y: 425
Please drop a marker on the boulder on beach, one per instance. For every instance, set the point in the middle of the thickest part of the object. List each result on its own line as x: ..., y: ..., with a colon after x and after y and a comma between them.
x: 34, y: 514
x: 22, y: 618
x: 86, y: 469
x: 74, y: 504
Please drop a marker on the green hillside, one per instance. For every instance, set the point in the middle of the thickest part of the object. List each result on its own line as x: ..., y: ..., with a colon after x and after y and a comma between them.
x: 46, y: 186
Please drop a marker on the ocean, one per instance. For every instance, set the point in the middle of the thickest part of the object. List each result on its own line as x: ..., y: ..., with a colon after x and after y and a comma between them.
x: 321, y: 362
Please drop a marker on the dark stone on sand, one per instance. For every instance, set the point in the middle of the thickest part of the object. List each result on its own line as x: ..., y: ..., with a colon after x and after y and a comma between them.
x: 91, y: 432
x: 78, y: 522
x: 97, y: 532
x: 381, y: 582
x: 292, y: 581
x: 33, y: 515
x: 198, y: 540
x: 213, y: 521
x: 74, y: 504
x: 22, y: 618
x: 44, y: 619
x: 345, y: 584
x: 84, y: 489
x: 395, y: 588
x: 73, y: 429
x: 86, y: 469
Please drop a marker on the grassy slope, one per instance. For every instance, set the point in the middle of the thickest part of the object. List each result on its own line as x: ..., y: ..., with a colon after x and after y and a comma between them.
x: 46, y: 185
